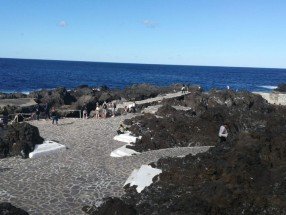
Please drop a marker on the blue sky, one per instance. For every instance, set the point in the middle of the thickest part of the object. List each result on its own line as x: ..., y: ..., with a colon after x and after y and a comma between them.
x: 202, y: 32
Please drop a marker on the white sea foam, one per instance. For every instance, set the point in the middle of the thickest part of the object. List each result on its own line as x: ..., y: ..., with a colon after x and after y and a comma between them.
x: 269, y: 87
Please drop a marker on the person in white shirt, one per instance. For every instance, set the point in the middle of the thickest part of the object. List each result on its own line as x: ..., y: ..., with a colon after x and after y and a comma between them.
x: 223, y: 132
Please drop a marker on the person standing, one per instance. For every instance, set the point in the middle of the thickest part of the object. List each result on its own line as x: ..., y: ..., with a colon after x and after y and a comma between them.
x: 104, y: 109
x: 113, y: 108
x: 37, y: 110
x: 97, y: 109
x: 84, y: 111
x: 183, y: 89
x: 223, y: 132
x: 55, y: 116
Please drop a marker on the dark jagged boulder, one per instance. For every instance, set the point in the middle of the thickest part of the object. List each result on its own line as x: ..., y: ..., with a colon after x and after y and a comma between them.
x: 281, y: 88
x: 8, y: 209
x: 111, y: 206
x: 139, y: 92
x: 19, y: 139
x: 82, y: 90
x: 57, y: 97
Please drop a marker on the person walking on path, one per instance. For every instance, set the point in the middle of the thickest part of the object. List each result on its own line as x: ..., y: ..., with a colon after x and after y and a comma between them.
x: 223, y: 132
x: 55, y: 116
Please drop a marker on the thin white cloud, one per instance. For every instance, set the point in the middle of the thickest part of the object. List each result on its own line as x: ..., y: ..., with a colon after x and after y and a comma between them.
x: 63, y: 24
x: 149, y: 23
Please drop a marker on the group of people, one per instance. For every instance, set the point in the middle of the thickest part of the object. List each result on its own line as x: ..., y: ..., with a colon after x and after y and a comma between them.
x: 100, y: 111
x: 49, y: 113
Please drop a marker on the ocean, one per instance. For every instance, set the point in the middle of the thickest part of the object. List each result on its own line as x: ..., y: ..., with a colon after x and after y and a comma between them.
x: 19, y: 75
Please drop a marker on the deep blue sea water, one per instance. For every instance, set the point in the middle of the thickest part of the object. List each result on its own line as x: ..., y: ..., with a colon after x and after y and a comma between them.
x: 19, y: 75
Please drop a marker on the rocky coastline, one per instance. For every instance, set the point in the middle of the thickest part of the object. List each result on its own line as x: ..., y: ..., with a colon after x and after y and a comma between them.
x: 245, y: 174
x: 242, y: 175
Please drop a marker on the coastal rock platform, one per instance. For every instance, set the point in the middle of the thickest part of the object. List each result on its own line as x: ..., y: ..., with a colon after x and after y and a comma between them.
x: 62, y: 183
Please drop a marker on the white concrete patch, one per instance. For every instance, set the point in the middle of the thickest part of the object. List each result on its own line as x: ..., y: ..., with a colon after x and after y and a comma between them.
x: 126, y: 138
x: 122, y: 152
x: 46, y: 148
x: 143, y: 177
x: 131, y: 177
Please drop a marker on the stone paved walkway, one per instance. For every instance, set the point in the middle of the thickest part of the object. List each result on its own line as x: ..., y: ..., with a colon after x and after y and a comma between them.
x: 155, y: 99
x: 82, y: 175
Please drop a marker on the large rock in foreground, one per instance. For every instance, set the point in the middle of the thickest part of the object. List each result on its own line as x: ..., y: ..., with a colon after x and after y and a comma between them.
x: 111, y: 206
x: 8, y: 209
x: 19, y: 139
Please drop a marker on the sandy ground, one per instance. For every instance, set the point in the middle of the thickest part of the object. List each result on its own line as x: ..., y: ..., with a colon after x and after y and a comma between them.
x: 82, y: 175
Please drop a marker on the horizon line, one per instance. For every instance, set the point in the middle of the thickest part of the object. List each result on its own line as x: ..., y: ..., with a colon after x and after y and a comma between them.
x: 158, y: 64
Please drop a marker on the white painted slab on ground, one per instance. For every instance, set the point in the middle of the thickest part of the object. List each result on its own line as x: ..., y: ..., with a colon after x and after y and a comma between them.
x: 126, y: 138
x: 142, y: 177
x: 123, y: 151
x: 46, y: 148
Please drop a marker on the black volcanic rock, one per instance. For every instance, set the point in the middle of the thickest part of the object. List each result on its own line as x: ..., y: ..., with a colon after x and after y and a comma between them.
x: 57, y: 97
x: 139, y: 92
x: 244, y: 175
x: 199, y: 126
x: 9, y: 209
x: 19, y: 139
x: 281, y: 88
x: 111, y: 206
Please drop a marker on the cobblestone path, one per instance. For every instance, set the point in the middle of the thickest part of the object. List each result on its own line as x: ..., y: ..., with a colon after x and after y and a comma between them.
x: 85, y: 173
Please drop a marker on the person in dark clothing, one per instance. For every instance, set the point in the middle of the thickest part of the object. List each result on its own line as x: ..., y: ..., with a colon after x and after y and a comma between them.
x: 55, y: 116
x: 113, y: 109
x: 5, y: 116
x: 183, y: 89
x: 47, y: 111
x: 104, y: 109
x: 37, y: 111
